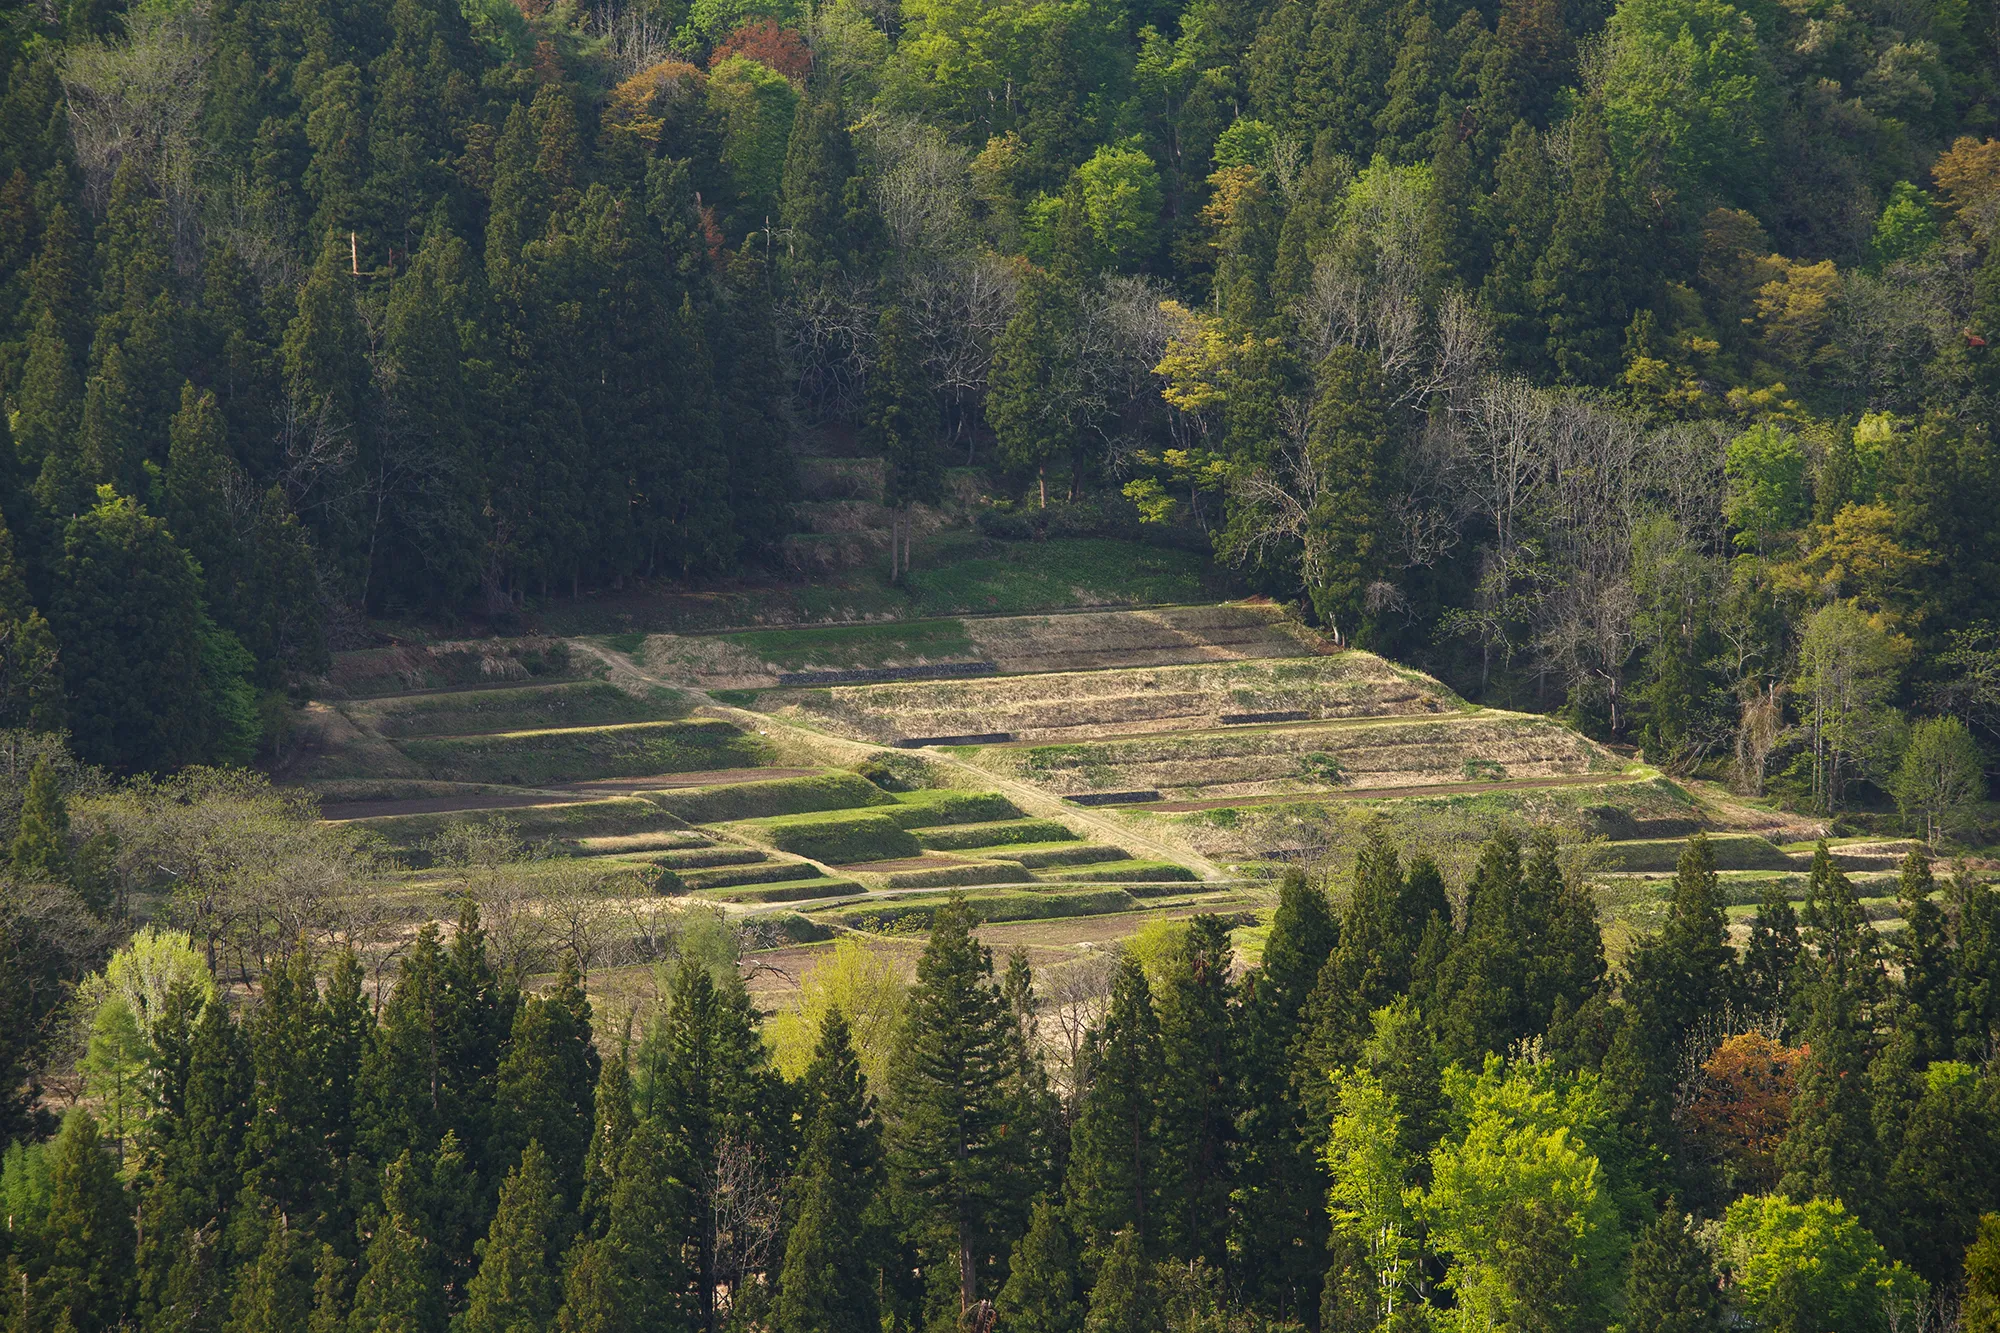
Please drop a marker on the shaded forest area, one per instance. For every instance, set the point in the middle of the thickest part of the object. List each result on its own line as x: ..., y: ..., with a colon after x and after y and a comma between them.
x: 1632, y: 363
x: 1386, y: 1124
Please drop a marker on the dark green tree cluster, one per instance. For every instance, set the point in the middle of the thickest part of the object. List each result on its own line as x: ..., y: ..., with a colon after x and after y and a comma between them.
x: 1408, y: 1105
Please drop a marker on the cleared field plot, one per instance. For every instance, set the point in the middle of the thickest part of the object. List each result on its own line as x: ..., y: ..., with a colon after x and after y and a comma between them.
x: 839, y: 647
x: 529, y: 758
x: 966, y: 837
x: 760, y: 800
x: 1733, y: 851
x: 573, y: 820
x: 477, y: 712
x: 702, y: 858
x: 961, y: 874
x: 1090, y: 640
x: 1448, y: 823
x: 1056, y: 854
x: 1264, y: 761
x: 701, y: 777
x: 1122, y: 872
x: 1075, y: 641
x: 439, y: 805
x: 1092, y: 704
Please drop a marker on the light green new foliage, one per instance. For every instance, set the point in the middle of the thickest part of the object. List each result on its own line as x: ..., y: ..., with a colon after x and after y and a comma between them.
x: 150, y: 967
x: 1940, y: 779
x: 1121, y: 196
x: 1370, y: 1172
x: 1687, y: 84
x: 755, y: 105
x: 1817, y: 1263
x: 1519, y: 1195
x: 1766, y: 474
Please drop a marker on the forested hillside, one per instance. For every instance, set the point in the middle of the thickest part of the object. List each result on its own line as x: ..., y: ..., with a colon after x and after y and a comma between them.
x: 1631, y: 360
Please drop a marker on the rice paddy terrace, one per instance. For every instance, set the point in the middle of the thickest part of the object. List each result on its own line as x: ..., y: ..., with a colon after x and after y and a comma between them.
x: 1074, y: 774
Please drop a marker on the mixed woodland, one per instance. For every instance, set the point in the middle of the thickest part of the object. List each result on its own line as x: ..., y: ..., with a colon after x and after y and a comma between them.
x: 1388, y: 1122
x: 1629, y: 360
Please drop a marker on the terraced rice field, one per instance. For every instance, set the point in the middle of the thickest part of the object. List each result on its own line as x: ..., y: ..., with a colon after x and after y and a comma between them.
x: 1083, y: 774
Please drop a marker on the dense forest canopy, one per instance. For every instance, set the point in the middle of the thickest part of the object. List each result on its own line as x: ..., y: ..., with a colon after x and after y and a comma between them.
x: 1391, y: 1122
x: 1632, y: 360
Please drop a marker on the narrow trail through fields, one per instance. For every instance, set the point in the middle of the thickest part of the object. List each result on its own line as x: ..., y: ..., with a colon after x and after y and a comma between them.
x: 1032, y: 800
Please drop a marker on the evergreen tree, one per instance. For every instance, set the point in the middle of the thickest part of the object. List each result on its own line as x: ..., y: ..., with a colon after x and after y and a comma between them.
x: 1114, y: 1165
x: 275, y: 1294
x: 1925, y: 950
x: 1671, y: 1286
x: 399, y: 1289
x: 194, y: 505
x: 1351, y: 448
x: 900, y: 422
x: 1123, y: 1299
x: 517, y: 1289
x: 1041, y: 1291
x: 1027, y: 395
x: 1828, y: 1151
x: 86, y: 1275
x: 1682, y: 975
x: 831, y: 1275
x: 1770, y: 962
x: 612, y: 1122
x: 954, y: 1166
x: 1585, y: 283
x: 1975, y: 982
x: 1280, y: 1208
x: 1196, y: 1097
x: 711, y: 1087
x: 41, y: 851
x: 546, y: 1082
x: 816, y: 194
x: 30, y: 672
x: 128, y: 612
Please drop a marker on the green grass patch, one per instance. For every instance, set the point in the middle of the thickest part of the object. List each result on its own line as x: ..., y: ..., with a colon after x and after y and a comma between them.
x: 768, y: 872
x: 778, y: 796
x: 841, y: 838
x: 1733, y: 851
x: 790, y: 891
x: 838, y: 647
x: 478, y: 712
x: 630, y: 643
x: 1034, y: 576
x: 702, y: 858
x: 988, y: 872
x: 915, y: 913
x: 1124, y: 872
x: 534, y: 758
x: 965, y: 837
x: 583, y: 819
x: 736, y: 698
x: 944, y: 805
